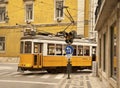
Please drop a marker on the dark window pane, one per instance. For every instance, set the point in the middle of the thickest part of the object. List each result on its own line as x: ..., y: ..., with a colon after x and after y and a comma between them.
x: 113, y: 51
x: 28, y: 46
x: 2, y: 43
x: 51, y: 49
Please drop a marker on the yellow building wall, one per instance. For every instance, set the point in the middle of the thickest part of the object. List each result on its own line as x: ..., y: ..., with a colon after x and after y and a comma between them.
x: 43, y: 14
x: 12, y: 42
x: 86, y: 18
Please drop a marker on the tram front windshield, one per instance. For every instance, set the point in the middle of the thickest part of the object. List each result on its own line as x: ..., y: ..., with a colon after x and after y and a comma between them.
x: 26, y: 47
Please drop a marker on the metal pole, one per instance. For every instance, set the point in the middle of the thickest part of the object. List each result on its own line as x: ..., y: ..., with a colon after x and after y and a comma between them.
x: 69, y: 68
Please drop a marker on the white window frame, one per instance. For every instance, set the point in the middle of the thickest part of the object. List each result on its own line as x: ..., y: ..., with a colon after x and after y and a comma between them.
x: 29, y: 3
x: 3, y: 14
x: 59, y: 17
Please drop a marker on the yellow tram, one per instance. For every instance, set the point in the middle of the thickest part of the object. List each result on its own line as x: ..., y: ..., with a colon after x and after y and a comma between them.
x: 41, y: 52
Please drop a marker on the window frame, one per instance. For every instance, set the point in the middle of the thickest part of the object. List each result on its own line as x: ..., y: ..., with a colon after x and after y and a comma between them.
x: 75, y: 50
x: 3, y: 14
x: 3, y: 45
x: 48, y: 48
x: 28, y: 47
x: 80, y: 50
x: 100, y: 52
x: 58, y: 48
x: 84, y: 51
x: 59, y: 12
x: 26, y: 4
x: 112, y: 54
x: 37, y: 47
x: 104, y: 52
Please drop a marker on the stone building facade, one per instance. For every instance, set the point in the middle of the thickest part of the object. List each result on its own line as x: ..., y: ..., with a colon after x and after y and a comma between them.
x: 108, y: 27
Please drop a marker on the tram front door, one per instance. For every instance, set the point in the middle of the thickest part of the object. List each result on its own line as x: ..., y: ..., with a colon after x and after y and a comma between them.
x: 38, y: 55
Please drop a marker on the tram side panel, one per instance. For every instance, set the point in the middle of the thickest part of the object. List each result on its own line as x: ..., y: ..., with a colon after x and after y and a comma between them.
x: 38, y: 62
x: 26, y: 62
x: 30, y: 62
x: 54, y: 61
x: 77, y: 62
x: 82, y: 61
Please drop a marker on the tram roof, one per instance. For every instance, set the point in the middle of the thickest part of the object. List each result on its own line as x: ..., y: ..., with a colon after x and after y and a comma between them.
x: 56, y: 38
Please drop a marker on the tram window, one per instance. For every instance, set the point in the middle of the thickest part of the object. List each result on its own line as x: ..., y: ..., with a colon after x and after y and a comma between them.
x: 51, y: 49
x: 21, y: 47
x: 74, y: 52
x: 58, y: 49
x: 37, y: 48
x: 64, y: 52
x: 93, y: 53
x: 28, y: 45
x: 80, y: 50
x: 93, y: 50
x: 86, y: 50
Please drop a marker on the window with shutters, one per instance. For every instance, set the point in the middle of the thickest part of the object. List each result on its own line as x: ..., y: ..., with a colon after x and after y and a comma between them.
x: 59, y: 8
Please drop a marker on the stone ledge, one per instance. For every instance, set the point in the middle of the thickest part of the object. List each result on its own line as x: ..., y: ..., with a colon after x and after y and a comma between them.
x: 9, y: 59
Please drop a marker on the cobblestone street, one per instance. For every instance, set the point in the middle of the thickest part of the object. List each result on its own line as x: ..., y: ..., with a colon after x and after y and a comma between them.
x: 83, y: 81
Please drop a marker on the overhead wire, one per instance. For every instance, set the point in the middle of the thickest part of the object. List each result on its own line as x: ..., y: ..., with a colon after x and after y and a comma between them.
x: 37, y: 4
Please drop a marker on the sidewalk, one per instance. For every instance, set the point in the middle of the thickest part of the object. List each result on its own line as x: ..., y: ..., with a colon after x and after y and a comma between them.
x: 82, y: 81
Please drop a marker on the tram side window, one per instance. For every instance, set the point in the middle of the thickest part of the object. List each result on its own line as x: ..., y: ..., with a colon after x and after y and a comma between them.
x: 64, y: 52
x: 80, y: 50
x: 51, y: 49
x: 93, y: 50
x: 58, y: 49
x: 93, y: 53
x: 86, y: 50
x: 28, y: 46
x: 74, y: 52
x: 37, y: 48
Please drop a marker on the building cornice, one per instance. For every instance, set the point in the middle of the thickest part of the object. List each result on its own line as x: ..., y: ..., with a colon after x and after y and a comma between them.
x: 106, y: 8
x: 35, y: 25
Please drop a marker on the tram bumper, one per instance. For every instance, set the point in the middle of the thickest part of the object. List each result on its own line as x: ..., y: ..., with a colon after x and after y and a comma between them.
x: 24, y: 67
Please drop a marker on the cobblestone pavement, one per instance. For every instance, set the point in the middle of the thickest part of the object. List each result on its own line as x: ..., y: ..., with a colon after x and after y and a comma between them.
x: 82, y: 81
